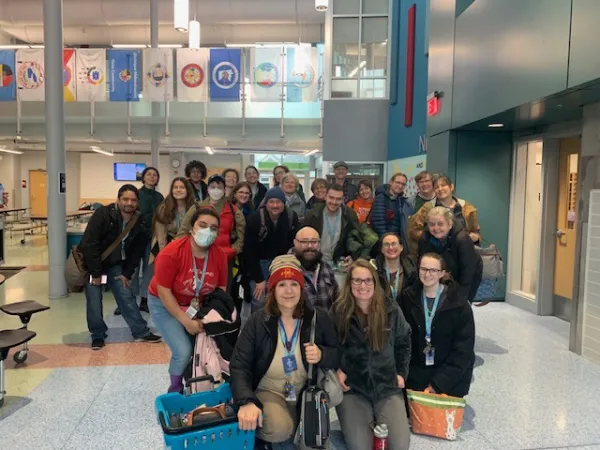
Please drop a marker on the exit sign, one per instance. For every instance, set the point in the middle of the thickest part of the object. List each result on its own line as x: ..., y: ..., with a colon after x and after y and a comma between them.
x: 434, y: 104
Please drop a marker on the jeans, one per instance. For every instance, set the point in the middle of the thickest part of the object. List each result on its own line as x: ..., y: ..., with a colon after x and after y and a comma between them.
x: 180, y: 342
x: 139, y: 284
x: 125, y: 301
x: 257, y: 304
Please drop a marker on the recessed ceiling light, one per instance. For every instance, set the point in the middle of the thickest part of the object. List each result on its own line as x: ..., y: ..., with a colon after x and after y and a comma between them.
x: 495, y: 125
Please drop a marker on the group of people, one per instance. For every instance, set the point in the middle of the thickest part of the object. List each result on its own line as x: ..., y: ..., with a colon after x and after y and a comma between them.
x: 399, y: 318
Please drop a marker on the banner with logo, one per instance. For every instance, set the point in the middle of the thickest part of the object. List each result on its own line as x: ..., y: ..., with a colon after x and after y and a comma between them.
x: 267, y: 74
x: 30, y: 75
x: 158, y: 74
x: 124, y: 75
x: 91, y: 75
x: 225, y: 74
x: 302, y: 74
x: 8, y: 84
x: 69, y: 75
x: 192, y: 70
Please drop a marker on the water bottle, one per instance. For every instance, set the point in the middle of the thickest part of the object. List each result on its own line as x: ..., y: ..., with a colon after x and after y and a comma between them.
x: 380, y: 437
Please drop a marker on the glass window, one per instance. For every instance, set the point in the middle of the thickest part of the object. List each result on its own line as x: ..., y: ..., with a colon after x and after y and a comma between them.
x: 344, y: 88
x: 375, y: 6
x: 345, y: 47
x: 372, y: 88
x: 346, y: 6
x: 373, y: 48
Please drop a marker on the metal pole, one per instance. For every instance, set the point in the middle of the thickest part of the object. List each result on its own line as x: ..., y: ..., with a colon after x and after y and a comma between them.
x: 92, y: 116
x: 204, y: 120
x: 154, y: 145
x: 321, y: 96
x: 167, y: 112
x: 128, y: 119
x: 18, y: 116
x: 55, y: 146
x: 282, y: 134
x: 244, y: 71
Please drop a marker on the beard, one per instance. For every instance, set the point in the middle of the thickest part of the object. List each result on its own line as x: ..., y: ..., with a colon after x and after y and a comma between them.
x: 310, y: 264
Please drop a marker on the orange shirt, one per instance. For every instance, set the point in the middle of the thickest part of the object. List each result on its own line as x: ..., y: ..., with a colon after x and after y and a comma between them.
x: 361, y: 207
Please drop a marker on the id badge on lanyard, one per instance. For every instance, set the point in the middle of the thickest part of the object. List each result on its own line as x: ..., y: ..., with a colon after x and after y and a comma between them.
x: 289, y: 360
x: 429, y: 350
x: 192, y: 310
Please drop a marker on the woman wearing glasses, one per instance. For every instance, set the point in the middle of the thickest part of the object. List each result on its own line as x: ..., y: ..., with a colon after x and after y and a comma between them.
x: 375, y: 354
x: 455, y: 247
x: 396, y: 268
x: 443, y: 332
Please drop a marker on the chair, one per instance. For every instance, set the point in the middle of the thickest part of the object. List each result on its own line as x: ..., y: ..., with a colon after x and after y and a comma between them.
x: 8, y: 340
x: 24, y: 310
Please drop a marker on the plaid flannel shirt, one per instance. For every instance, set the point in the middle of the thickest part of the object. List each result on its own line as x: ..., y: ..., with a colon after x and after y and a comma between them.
x: 326, y: 290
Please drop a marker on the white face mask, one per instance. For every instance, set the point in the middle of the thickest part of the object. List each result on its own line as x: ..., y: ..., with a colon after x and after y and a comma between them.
x: 216, y: 194
x: 205, y: 237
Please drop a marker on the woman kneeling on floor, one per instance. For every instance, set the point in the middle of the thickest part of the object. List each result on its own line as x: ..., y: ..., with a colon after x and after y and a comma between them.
x: 270, y: 362
x: 374, y: 358
x: 442, y: 355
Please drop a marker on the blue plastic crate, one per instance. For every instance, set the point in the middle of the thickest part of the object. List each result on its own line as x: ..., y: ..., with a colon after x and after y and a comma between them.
x: 225, y: 436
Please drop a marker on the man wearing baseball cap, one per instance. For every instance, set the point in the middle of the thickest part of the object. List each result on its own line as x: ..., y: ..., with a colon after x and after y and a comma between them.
x: 340, y: 170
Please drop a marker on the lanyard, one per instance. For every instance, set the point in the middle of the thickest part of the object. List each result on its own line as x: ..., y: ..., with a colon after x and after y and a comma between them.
x: 332, y: 229
x: 313, y: 278
x: 429, y: 315
x: 289, y: 346
x: 199, y: 283
x: 395, y: 288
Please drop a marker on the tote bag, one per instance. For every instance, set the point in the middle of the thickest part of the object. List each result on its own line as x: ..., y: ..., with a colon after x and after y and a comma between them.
x: 435, y: 415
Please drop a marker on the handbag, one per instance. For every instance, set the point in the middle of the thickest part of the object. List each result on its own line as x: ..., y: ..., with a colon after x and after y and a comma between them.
x: 328, y: 381
x: 76, y: 273
x: 493, y: 266
x: 436, y: 415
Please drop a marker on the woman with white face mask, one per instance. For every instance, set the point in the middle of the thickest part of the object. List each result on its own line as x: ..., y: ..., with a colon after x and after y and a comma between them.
x: 186, y: 271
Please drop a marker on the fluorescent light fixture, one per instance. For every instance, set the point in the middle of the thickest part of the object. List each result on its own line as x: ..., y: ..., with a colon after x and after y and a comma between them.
x: 170, y: 45
x: 355, y: 71
x: 130, y: 45
x: 194, y: 34
x: 37, y: 46
x: 312, y: 152
x: 181, y: 15
x: 321, y: 5
x: 209, y: 150
x: 14, y: 152
x: 495, y: 125
x: 11, y: 47
x: 102, y: 152
x: 384, y: 42
x: 269, y: 45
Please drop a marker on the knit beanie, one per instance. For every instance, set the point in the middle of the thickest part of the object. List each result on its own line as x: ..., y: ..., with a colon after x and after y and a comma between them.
x: 285, y: 267
x: 275, y: 192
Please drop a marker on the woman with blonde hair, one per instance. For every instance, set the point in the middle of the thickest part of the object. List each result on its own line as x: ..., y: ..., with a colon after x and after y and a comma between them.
x: 374, y: 359
x: 289, y: 185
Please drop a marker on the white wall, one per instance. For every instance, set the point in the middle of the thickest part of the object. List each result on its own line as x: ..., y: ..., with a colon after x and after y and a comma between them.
x: 7, y: 177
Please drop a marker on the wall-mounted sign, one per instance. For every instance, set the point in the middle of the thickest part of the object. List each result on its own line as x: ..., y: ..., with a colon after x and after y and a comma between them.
x: 434, y: 104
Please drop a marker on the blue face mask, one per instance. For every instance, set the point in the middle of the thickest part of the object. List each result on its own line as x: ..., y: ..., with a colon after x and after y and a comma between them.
x: 204, y: 237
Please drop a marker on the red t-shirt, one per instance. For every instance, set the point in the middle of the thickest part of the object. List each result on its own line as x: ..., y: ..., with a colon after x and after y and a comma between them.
x: 174, y: 269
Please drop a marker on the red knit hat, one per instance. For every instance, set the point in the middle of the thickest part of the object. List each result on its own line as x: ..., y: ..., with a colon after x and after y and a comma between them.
x: 285, y: 267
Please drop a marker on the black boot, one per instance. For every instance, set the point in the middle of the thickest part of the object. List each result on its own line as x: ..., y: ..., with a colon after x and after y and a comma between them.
x: 144, y: 304
x: 259, y: 444
x: 117, y: 311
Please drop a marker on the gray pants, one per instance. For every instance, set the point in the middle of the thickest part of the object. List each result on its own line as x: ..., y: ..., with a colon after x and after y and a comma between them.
x: 356, y: 413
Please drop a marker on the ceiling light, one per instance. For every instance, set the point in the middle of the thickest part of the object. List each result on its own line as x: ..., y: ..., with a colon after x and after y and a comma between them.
x: 102, y: 152
x: 495, y: 125
x: 321, y: 5
x: 209, y: 150
x: 12, y: 47
x: 130, y: 45
x: 312, y: 152
x: 355, y: 71
x: 194, y: 34
x: 384, y: 42
x: 181, y: 15
x: 170, y: 45
x: 37, y: 46
x: 14, y: 152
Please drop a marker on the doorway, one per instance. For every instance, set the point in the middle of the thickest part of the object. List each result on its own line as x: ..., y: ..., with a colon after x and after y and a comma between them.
x: 38, y: 193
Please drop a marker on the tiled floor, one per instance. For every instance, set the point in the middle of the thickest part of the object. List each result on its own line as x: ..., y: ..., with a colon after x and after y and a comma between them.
x: 529, y: 391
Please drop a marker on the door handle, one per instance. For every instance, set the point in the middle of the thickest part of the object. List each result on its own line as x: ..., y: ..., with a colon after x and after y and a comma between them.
x: 559, y: 233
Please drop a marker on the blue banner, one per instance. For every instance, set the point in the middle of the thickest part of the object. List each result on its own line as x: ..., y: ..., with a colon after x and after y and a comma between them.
x: 225, y: 74
x: 8, y: 82
x: 124, y: 67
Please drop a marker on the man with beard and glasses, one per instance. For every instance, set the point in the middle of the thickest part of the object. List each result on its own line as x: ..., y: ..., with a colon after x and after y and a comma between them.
x: 321, y: 287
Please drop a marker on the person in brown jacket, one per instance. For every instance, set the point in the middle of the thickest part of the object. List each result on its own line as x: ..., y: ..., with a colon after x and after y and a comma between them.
x: 464, y: 212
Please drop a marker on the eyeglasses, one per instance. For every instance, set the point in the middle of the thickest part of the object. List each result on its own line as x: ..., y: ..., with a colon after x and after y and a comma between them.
x: 425, y: 271
x: 309, y: 242
x: 359, y: 281
x: 243, y: 193
x: 390, y: 245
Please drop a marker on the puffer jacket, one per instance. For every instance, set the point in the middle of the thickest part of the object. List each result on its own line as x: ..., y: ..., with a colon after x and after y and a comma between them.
x: 374, y: 374
x: 391, y: 214
x: 452, y: 336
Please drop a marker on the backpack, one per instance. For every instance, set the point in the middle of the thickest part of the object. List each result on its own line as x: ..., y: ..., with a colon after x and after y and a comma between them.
x: 207, y: 360
x: 264, y: 231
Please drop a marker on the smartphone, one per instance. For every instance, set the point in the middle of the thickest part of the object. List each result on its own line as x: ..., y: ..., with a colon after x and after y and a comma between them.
x: 102, y: 281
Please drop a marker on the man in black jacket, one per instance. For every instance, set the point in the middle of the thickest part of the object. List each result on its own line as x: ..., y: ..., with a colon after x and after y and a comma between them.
x: 104, y: 228
x: 270, y: 232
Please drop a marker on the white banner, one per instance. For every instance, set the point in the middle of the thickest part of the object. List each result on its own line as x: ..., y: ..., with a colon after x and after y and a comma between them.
x: 158, y: 74
x: 302, y: 74
x: 91, y: 75
x: 266, y: 74
x: 193, y: 76
x: 30, y: 75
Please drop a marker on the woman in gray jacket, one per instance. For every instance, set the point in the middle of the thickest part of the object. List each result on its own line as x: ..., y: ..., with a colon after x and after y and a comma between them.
x: 289, y: 185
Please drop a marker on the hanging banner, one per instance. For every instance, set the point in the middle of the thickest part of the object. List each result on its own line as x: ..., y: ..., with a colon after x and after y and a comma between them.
x: 91, y: 75
x: 192, y: 84
x: 158, y: 74
x: 8, y: 84
x: 302, y: 74
x: 30, y: 75
x: 69, y: 75
x: 124, y: 73
x: 267, y: 74
x: 225, y: 74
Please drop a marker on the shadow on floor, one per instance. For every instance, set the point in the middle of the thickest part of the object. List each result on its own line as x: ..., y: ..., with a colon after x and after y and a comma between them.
x: 114, y: 335
x: 12, y: 405
x: 489, y: 346
x: 479, y: 361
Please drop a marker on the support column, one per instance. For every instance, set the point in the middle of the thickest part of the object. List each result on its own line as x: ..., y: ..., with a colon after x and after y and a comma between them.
x: 55, y: 146
x: 154, y: 145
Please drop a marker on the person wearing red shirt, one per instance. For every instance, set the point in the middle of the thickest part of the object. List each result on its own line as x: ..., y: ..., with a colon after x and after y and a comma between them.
x: 186, y: 270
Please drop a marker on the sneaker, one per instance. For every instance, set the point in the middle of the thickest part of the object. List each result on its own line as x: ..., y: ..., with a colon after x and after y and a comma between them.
x: 97, y: 344
x: 150, y: 338
x: 144, y: 305
x: 117, y: 312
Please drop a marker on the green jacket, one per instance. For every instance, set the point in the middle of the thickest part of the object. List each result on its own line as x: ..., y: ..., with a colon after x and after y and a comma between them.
x: 149, y: 201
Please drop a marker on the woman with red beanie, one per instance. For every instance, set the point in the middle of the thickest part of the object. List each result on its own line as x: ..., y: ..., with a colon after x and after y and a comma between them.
x: 269, y: 365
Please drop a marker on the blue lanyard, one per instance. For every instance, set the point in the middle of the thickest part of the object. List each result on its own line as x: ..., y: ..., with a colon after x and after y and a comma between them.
x: 336, y: 223
x: 289, y: 346
x: 199, y: 283
x: 429, y: 315
x: 395, y: 288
